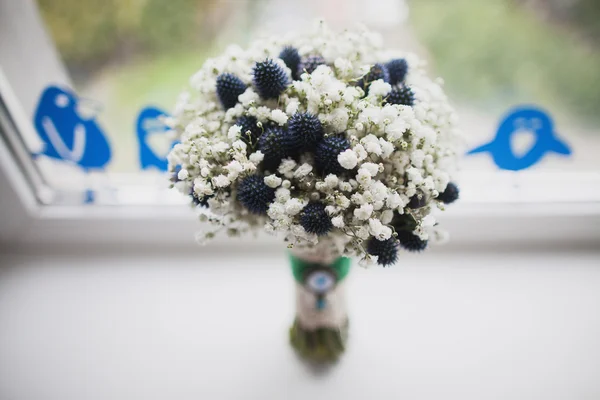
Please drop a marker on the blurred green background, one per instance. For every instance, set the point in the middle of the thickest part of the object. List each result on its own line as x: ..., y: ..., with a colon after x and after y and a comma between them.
x: 500, y: 52
x: 492, y: 54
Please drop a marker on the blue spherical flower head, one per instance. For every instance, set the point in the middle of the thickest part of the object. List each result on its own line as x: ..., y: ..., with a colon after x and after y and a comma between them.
x: 291, y: 58
x: 397, y: 69
x: 309, y: 64
x: 270, y: 79
x: 418, y: 200
x: 404, y: 222
x: 411, y: 242
x: 385, y: 250
x: 254, y: 194
x: 450, y: 195
x: 402, y: 95
x: 250, y: 131
x: 305, y: 131
x: 326, y: 155
x: 377, y: 71
x: 229, y: 87
x: 274, y: 143
x: 314, y: 218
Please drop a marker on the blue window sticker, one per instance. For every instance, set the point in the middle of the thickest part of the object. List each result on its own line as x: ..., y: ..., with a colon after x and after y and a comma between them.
x: 148, y: 123
x: 66, y: 133
x: 519, y: 119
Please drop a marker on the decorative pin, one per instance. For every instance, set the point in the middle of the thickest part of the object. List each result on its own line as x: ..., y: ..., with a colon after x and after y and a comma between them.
x: 149, y: 123
x: 519, y: 119
x: 66, y: 133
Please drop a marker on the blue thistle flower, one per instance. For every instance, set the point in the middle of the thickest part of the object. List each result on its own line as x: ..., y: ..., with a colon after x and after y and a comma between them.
x: 270, y: 79
x: 417, y: 201
x: 305, y: 131
x: 229, y: 87
x: 404, y: 222
x: 314, y: 218
x: 248, y: 123
x: 385, y: 250
x: 377, y: 71
x: 254, y: 194
x: 402, y: 95
x: 326, y: 155
x: 291, y: 58
x: 449, y: 195
x: 309, y: 64
x: 411, y: 242
x: 397, y: 69
x: 274, y: 145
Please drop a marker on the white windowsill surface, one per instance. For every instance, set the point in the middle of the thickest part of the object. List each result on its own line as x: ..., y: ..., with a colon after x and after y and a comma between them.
x: 213, y: 326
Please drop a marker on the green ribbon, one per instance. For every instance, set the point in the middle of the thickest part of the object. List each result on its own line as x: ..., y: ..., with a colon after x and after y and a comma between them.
x: 341, y: 267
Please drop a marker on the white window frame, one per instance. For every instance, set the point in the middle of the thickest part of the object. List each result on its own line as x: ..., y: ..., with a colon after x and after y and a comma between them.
x: 498, y: 209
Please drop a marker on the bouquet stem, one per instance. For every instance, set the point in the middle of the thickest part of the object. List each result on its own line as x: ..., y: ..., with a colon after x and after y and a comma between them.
x: 320, y: 329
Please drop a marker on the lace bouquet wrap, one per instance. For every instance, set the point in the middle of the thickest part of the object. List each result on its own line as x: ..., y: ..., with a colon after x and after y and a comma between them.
x: 338, y: 146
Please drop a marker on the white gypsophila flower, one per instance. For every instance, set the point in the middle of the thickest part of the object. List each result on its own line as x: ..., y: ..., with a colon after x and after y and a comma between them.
x: 234, y: 132
x: 338, y: 221
x: 282, y: 195
x: 362, y: 232
x: 364, y: 212
x: 238, y: 145
x: 386, y: 217
x: 360, y: 151
x: 287, y: 166
x: 363, y: 176
x: 293, y: 206
x: 378, y: 230
x: 392, y: 152
x: 256, y: 157
x: 379, y: 88
x: 417, y: 158
x: 321, y: 186
x: 342, y: 201
x: 183, y: 174
x: 371, y: 144
x: 331, y: 181
x: 272, y: 181
x: 248, y: 98
x: 303, y: 170
x: 234, y: 168
x: 371, y: 168
x: 348, y: 159
x: 221, y: 181
x: 292, y: 107
x: 414, y: 175
x: 279, y: 116
x: 345, y: 186
x: 202, y: 187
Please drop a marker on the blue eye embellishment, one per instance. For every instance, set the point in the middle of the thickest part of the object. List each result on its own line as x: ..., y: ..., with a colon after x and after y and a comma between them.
x: 320, y: 282
x: 521, y: 118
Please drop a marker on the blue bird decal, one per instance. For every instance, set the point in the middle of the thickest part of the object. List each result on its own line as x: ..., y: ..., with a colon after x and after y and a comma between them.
x: 66, y: 134
x: 523, y: 118
x: 148, y: 123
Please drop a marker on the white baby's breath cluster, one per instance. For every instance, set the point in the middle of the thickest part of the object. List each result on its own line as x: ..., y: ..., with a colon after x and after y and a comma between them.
x: 396, y: 151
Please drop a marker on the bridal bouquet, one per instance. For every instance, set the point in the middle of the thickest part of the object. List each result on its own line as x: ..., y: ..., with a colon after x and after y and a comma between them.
x: 339, y: 146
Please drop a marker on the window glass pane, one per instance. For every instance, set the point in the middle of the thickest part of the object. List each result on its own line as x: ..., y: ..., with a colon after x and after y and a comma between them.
x: 524, y: 75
